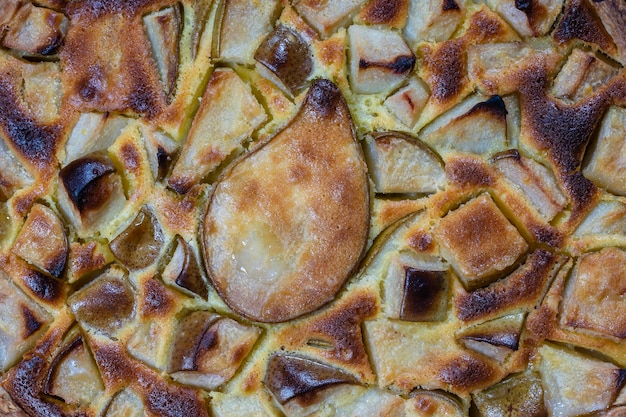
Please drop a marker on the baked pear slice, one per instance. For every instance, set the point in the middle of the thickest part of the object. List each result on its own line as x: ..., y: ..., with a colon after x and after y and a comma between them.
x: 288, y: 223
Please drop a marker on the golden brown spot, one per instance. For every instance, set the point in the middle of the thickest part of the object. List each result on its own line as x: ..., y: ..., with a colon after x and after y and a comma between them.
x: 445, y: 66
x: 421, y: 241
x: 469, y: 172
x: 465, y: 373
x: 84, y: 258
x: 157, y: 300
x: 130, y: 157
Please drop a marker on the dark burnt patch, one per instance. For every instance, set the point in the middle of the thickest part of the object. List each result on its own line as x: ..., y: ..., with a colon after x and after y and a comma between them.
x: 425, y: 295
x: 547, y: 235
x: 30, y: 321
x: 563, y: 131
x: 343, y: 327
x: 44, y: 287
x: 82, y: 180
x: 525, y: 284
x: 505, y: 339
x: 323, y: 98
x: 25, y: 385
x: 35, y: 143
x: 494, y: 106
x: 450, y: 5
x: 580, y: 21
x: 130, y: 158
x: 400, y: 65
x: 289, y: 376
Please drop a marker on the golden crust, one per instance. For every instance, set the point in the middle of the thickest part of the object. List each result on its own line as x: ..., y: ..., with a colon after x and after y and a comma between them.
x: 188, y: 225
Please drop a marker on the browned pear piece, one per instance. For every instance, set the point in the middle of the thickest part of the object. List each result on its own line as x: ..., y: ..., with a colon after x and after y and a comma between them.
x: 288, y: 223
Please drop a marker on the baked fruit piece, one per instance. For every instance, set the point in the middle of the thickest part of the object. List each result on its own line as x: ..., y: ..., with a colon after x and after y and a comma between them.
x: 305, y: 208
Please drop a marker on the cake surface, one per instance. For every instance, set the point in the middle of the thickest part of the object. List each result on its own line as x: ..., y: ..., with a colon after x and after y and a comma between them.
x: 310, y: 208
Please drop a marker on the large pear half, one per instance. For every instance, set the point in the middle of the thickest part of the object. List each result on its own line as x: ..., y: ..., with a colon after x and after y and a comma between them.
x: 287, y: 224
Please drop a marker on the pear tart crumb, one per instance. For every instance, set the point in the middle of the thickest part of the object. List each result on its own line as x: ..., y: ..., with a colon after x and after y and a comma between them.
x: 307, y: 208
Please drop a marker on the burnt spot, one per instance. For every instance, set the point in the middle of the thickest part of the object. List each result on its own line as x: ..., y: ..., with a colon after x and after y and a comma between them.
x: 36, y: 143
x: 525, y: 6
x: 505, y: 339
x: 547, y: 235
x: 93, y: 87
x: 164, y: 160
x: 31, y: 323
x: 466, y: 373
x: 448, y: 5
x: 581, y: 22
x: 44, y: 287
x: 82, y: 180
x: 323, y: 98
x: 425, y: 295
x: 25, y: 385
x: 400, y: 65
x: 494, y: 106
x: 290, y: 376
x: 525, y: 284
x: 561, y: 129
x: 468, y: 172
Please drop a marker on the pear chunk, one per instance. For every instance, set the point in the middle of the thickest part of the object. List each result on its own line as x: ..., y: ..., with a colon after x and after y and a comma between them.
x: 90, y: 192
x: 325, y: 16
x: 74, y: 375
x: 183, y: 270
x: 42, y: 241
x: 287, y: 56
x: 228, y: 115
x: 401, y: 164
x: 209, y: 349
x: 607, y: 161
x: 243, y: 26
x: 289, y: 376
x: 292, y: 214
x: 22, y: 322
x: 380, y: 60
x: 140, y: 243
x: 36, y: 31
x: 433, y: 20
x: 518, y: 396
x: 495, y: 338
x: 163, y: 29
x: 106, y: 304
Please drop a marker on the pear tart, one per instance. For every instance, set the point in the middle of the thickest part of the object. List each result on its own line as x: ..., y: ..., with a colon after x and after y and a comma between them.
x: 313, y: 208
